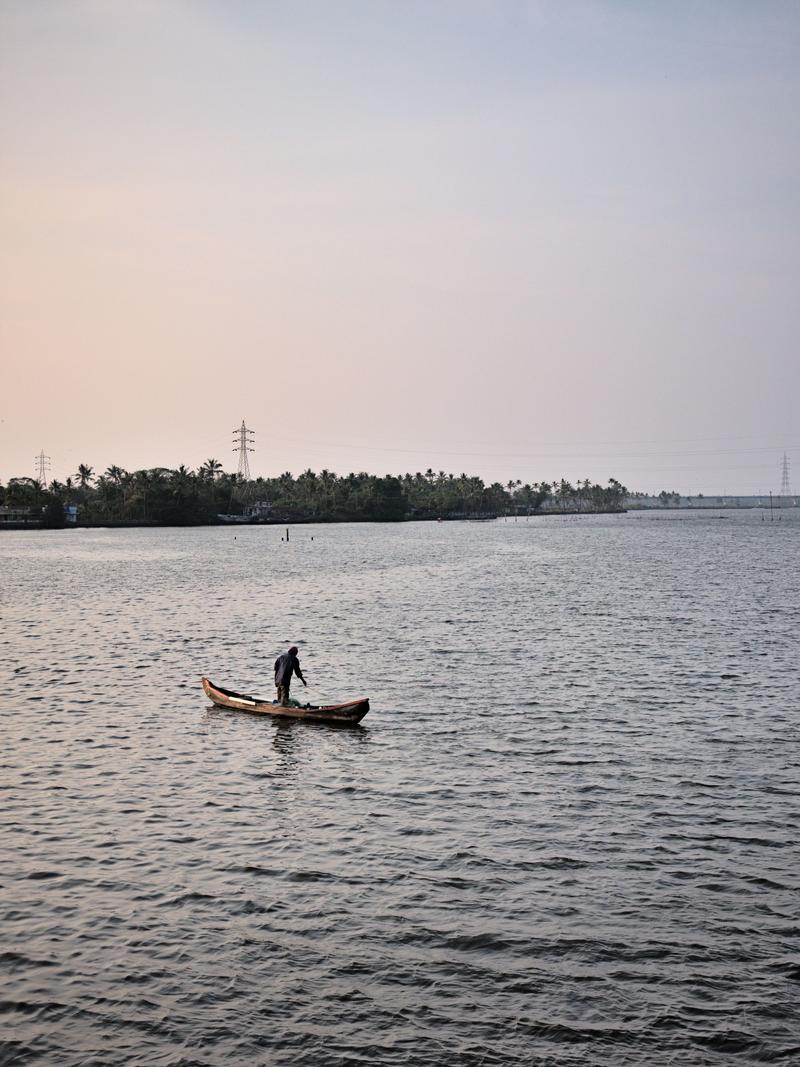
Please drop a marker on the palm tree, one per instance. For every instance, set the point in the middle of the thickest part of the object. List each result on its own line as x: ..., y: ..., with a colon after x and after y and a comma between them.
x: 84, y: 475
x: 126, y: 482
x: 153, y: 482
x: 115, y: 474
x: 210, y: 470
x: 112, y: 486
x: 181, y: 478
x: 105, y: 491
x: 307, y: 490
x: 209, y: 475
x: 615, y: 493
x: 541, y: 492
x: 565, y: 493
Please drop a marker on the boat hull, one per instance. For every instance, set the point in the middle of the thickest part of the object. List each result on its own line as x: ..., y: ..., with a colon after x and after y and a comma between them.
x: 348, y: 714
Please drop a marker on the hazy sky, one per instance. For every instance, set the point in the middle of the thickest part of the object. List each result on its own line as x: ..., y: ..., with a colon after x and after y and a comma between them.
x: 518, y: 239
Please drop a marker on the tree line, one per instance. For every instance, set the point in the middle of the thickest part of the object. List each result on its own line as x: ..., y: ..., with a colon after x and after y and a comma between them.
x: 191, y: 497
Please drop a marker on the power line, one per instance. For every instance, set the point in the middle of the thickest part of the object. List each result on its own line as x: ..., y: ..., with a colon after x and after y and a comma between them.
x: 593, y: 459
x: 590, y: 451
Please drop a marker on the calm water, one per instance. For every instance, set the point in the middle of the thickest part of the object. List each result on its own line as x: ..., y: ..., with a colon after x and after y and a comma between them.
x: 567, y: 832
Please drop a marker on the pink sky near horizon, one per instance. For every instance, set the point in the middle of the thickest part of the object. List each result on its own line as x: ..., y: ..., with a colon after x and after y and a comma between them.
x: 521, y: 240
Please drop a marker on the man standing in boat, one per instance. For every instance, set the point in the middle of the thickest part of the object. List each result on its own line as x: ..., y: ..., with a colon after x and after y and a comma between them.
x: 285, y: 666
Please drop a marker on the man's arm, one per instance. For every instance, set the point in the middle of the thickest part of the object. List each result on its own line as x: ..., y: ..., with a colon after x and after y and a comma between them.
x: 298, y: 672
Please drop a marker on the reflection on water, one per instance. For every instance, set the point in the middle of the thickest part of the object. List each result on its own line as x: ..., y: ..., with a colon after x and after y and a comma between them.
x: 565, y: 834
x: 298, y: 743
x: 294, y: 742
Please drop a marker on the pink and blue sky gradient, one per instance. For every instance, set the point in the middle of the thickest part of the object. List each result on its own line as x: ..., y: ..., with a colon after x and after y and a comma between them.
x: 518, y: 239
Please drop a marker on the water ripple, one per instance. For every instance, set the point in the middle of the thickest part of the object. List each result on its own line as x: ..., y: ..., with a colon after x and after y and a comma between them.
x: 567, y: 833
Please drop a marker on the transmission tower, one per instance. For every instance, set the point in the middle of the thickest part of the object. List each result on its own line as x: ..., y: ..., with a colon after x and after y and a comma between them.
x: 243, y: 439
x: 786, y: 490
x: 42, y: 468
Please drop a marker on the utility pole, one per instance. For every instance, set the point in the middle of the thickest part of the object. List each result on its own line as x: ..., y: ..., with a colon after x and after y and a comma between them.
x: 42, y: 469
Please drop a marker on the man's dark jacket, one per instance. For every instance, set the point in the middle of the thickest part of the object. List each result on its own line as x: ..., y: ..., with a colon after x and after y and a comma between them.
x: 285, y: 666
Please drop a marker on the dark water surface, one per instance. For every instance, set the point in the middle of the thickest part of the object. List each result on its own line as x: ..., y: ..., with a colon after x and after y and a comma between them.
x: 567, y: 832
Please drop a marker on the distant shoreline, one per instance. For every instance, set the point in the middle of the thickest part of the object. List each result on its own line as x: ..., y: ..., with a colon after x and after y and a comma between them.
x: 125, y: 524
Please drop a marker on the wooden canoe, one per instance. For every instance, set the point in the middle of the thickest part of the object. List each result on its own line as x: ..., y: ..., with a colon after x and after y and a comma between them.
x: 343, y: 714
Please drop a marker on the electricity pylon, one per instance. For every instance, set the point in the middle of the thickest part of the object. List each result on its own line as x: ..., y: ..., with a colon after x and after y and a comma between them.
x: 42, y: 468
x: 786, y: 490
x: 245, y: 439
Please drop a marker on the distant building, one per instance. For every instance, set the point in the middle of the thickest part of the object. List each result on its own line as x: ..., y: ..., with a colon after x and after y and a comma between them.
x: 18, y: 516
x: 261, y: 509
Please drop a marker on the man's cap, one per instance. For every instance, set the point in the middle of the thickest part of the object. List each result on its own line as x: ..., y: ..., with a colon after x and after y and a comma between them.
x: 293, y: 649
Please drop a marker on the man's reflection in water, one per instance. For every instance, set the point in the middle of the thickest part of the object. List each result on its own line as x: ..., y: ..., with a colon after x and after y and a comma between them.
x: 300, y: 744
